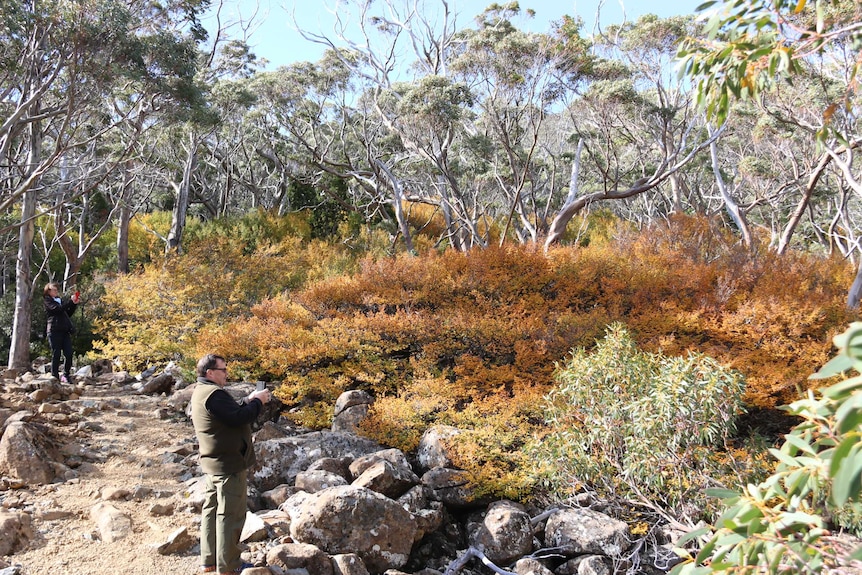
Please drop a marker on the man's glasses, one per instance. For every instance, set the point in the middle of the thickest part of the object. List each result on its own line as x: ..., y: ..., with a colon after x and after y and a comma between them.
x: 219, y: 369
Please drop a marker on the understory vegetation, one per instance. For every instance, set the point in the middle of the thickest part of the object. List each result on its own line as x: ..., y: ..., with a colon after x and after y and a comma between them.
x: 505, y: 343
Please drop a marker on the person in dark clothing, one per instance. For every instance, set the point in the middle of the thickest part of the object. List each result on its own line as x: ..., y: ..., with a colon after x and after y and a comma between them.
x: 60, y: 329
x: 223, y: 430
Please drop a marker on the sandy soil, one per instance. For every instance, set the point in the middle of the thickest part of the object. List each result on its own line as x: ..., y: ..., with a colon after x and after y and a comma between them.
x: 129, y: 446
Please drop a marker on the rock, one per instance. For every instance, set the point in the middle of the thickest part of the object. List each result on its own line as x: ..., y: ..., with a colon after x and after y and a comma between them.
x: 115, y: 494
x: 161, y: 509
x: 433, y: 450
x: 318, y: 480
x: 384, y: 477
x: 179, y: 399
x: 27, y: 453
x: 254, y: 528
x: 528, y: 566
x: 582, y: 531
x: 503, y: 532
x: 363, y: 462
x: 277, y: 522
x: 270, y: 430
x: 273, y: 498
x: 338, y: 465
x: 177, y: 542
x: 348, y: 564
x: 299, y: 558
x: 162, y: 383
x: 280, y: 460
x: 100, y: 367
x: 15, y: 532
x: 111, y: 522
x: 584, y: 565
x: 351, y: 408
x: 352, y: 519
x: 451, y: 487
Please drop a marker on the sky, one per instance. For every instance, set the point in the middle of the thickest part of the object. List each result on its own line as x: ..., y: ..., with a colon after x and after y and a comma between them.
x: 273, y: 35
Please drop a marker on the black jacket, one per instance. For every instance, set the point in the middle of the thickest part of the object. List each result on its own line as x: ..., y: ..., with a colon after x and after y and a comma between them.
x: 58, y: 315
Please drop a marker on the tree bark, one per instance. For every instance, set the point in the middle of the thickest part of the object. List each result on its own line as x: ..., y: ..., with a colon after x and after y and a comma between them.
x: 730, y: 204
x: 19, y: 350
x: 178, y: 219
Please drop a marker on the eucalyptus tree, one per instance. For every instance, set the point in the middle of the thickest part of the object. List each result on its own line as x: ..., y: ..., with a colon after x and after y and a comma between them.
x: 61, y: 61
x: 426, y: 113
x: 314, y: 129
x: 753, y: 49
x: 635, y: 126
x: 509, y: 73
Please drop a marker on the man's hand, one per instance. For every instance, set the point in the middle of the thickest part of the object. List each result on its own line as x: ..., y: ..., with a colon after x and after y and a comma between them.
x: 263, y: 395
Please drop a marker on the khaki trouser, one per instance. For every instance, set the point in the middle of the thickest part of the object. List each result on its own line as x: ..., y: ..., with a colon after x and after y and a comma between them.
x: 222, y: 518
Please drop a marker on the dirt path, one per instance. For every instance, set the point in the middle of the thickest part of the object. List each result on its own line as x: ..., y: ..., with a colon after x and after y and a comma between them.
x: 125, y: 444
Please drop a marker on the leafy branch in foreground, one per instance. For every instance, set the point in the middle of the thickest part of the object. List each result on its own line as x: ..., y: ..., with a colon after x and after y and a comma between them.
x: 793, y: 521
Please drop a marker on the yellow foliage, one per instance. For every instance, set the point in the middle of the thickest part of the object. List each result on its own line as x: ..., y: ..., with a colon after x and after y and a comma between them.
x: 472, y: 339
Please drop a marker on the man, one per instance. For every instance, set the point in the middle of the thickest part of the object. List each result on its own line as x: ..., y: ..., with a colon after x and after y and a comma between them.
x: 223, y: 429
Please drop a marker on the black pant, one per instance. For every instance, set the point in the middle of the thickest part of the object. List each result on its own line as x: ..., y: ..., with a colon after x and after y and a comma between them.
x: 61, y: 342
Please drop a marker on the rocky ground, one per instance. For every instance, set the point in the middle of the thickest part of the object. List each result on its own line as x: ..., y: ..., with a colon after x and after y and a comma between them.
x: 129, y: 454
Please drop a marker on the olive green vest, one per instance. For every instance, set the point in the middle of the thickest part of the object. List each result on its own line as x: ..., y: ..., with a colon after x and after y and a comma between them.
x: 223, y: 449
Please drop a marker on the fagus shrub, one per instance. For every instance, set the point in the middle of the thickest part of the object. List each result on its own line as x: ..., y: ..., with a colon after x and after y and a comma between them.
x: 472, y: 339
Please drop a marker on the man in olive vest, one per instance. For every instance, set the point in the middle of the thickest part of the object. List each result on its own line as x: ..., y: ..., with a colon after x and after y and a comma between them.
x: 223, y: 429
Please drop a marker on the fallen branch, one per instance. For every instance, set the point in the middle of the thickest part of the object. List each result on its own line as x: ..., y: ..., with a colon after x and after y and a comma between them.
x: 472, y: 552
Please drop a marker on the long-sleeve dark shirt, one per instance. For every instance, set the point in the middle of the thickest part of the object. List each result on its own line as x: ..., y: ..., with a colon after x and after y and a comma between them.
x: 223, y: 429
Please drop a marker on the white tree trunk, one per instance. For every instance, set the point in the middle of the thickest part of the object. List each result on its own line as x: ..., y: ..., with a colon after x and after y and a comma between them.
x: 178, y: 220
x: 19, y: 350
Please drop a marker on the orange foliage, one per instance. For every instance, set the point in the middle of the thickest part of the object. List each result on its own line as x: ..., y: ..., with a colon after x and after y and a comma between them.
x: 473, y: 339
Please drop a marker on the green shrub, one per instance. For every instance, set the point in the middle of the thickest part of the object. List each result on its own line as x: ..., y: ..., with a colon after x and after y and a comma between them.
x: 640, y: 426
x: 788, y: 522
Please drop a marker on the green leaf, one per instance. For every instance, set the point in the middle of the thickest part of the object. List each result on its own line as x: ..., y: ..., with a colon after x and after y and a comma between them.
x: 799, y: 444
x: 835, y: 366
x: 784, y: 458
x: 840, y: 454
x: 842, y: 389
x: 706, y: 551
x: 692, y: 535
x: 729, y: 539
x: 846, y: 482
x: 723, y: 494
x: 798, y: 520
x: 849, y: 415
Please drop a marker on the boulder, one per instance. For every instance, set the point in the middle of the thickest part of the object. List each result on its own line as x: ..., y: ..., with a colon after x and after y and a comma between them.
x: 162, y: 383
x: 27, y: 453
x: 530, y: 566
x: 503, y: 532
x: 451, y: 487
x: 16, y: 532
x: 299, y: 558
x: 318, y: 480
x: 178, y: 541
x: 351, y: 408
x: 585, y: 531
x: 585, y: 565
x: 111, y: 522
x: 352, y: 519
x: 280, y: 460
x: 348, y: 564
x: 101, y: 367
x: 433, y: 450
x: 387, y: 478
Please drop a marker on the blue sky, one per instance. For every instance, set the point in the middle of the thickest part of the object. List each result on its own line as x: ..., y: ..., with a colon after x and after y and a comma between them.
x: 275, y: 39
